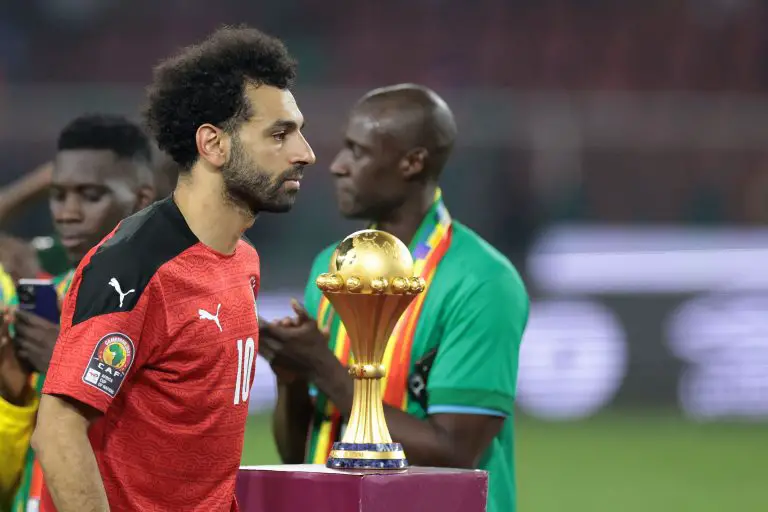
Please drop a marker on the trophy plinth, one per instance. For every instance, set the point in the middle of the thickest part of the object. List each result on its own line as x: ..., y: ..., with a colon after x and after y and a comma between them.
x: 370, y: 285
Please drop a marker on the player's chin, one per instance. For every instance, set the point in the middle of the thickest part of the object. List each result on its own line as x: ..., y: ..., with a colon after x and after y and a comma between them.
x: 351, y: 210
x: 281, y: 204
x: 348, y: 206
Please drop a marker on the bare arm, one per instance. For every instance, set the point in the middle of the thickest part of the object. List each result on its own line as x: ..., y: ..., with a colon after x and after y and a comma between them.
x: 28, y: 188
x: 291, y: 419
x: 294, y: 408
x: 447, y: 440
x: 65, y: 454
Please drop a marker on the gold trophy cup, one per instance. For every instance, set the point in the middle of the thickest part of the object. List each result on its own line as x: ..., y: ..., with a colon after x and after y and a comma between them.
x: 370, y: 285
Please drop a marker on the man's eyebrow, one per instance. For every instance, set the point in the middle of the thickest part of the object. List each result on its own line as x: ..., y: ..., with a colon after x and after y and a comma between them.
x: 350, y: 141
x: 286, y: 124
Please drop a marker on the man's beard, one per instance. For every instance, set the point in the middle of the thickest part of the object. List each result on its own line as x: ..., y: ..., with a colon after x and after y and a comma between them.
x: 250, y: 187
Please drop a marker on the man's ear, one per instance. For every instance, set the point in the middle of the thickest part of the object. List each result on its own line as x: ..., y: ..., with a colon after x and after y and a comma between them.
x: 212, y: 144
x: 414, y: 162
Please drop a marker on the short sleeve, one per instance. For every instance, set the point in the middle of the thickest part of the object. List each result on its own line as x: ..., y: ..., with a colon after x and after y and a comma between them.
x: 475, y: 370
x: 108, y: 330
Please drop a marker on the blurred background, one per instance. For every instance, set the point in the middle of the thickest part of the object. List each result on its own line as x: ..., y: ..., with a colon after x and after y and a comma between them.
x: 617, y: 152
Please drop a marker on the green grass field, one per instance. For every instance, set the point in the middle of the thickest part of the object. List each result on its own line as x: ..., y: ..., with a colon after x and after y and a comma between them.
x: 621, y: 463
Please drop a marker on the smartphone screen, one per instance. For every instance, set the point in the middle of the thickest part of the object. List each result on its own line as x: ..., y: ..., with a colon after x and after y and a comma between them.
x: 39, y: 296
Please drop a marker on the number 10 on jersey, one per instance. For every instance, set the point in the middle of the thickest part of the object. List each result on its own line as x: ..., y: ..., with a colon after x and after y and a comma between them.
x: 246, y: 356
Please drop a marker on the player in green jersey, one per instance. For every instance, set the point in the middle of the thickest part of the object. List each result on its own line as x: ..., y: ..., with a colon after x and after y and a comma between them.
x: 101, y: 174
x: 452, y: 361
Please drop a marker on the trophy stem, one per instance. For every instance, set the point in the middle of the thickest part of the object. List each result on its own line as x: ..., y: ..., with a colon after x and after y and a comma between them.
x: 366, y: 443
x: 366, y: 422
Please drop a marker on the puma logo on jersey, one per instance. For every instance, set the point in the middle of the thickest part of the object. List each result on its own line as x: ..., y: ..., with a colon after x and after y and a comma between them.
x: 116, y: 285
x: 204, y: 315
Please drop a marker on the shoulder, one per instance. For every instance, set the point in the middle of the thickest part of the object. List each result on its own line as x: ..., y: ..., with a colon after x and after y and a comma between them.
x: 248, y: 257
x: 114, y: 276
x: 158, y: 232
x: 472, y: 262
x: 476, y: 283
x: 248, y: 248
x: 246, y: 242
x: 322, y: 261
x: 320, y: 265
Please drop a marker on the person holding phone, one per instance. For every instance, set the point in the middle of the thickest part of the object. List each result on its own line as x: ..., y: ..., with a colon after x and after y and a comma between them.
x: 17, y: 406
x: 101, y: 174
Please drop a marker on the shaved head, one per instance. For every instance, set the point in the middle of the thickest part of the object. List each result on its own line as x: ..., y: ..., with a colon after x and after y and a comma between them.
x: 413, y: 116
x: 396, y: 142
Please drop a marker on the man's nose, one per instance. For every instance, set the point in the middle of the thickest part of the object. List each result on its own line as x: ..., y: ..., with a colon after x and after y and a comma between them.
x: 338, y: 166
x: 305, y: 155
x: 71, y: 209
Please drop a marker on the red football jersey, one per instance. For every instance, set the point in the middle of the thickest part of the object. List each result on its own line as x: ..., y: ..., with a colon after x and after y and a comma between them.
x: 160, y: 334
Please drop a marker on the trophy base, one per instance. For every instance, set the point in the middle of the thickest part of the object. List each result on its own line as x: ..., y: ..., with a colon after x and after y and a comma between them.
x: 367, y: 456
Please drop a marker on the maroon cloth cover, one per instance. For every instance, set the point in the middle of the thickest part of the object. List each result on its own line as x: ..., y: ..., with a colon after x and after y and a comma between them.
x: 314, y: 488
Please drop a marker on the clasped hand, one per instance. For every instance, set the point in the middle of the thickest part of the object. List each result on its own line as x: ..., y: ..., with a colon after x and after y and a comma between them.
x: 35, y: 339
x: 294, y: 346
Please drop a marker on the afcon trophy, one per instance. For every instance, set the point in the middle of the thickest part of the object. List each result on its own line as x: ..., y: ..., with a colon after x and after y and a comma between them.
x: 370, y: 286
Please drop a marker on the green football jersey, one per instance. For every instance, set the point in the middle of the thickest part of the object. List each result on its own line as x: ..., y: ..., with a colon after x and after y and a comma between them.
x: 464, y: 356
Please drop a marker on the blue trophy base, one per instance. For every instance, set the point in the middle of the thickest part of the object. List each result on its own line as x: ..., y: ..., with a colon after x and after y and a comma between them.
x: 367, y: 456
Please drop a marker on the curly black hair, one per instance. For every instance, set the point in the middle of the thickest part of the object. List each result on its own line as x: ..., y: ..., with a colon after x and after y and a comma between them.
x: 110, y: 132
x: 205, y: 84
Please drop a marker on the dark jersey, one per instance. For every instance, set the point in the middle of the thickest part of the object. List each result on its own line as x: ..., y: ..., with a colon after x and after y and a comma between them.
x: 160, y: 334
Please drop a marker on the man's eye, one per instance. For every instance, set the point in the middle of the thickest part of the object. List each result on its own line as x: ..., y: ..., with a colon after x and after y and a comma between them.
x: 92, y: 195
x: 279, y: 137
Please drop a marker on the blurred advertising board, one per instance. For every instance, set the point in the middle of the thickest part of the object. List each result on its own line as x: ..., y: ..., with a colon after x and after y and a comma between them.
x: 665, y: 317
